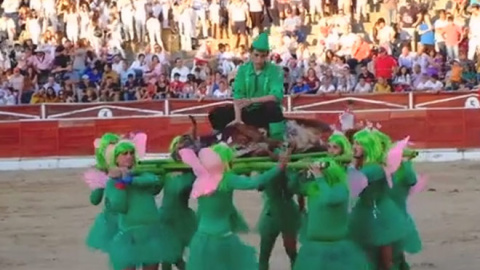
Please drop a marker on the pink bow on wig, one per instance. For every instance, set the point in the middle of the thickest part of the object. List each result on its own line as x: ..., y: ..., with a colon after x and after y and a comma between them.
x: 208, y: 167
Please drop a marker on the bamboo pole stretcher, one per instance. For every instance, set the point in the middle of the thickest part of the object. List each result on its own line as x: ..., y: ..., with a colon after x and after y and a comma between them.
x: 169, y: 162
x: 239, y: 168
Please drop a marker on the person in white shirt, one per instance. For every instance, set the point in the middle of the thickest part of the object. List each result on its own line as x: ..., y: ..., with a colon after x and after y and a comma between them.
x: 140, y: 17
x: 72, y: 22
x: 34, y: 28
x: 200, y: 11
x: 166, y: 7
x: 362, y: 87
x: 238, y: 16
x: 49, y: 14
x: 326, y: 87
x: 186, y: 26
x: 180, y: 69
x: 346, y: 42
x: 214, y: 16
x: 223, y: 91
x: 84, y: 15
x: 474, y: 33
x: 432, y: 84
x: 115, y: 40
x: 126, y: 14
x: 255, y: 7
x: 154, y: 30
x: 439, y: 24
x: 10, y: 9
x: 7, y: 25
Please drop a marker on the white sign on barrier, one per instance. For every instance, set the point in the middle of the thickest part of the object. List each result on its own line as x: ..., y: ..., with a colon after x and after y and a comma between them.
x: 105, y: 113
x: 472, y: 103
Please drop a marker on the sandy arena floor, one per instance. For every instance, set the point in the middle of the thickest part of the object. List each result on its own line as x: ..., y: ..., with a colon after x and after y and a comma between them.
x: 44, y: 217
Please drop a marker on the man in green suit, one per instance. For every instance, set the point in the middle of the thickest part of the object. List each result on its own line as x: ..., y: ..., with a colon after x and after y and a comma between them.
x: 257, y: 94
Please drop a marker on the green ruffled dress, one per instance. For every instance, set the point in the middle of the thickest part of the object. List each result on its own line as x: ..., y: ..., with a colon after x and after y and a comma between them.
x: 174, y: 212
x: 215, y: 246
x: 403, y: 179
x: 326, y: 244
x: 104, y: 227
x: 376, y: 220
x: 142, y: 238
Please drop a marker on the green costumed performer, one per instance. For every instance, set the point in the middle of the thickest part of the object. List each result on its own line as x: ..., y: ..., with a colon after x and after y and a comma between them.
x: 175, y: 212
x: 215, y: 245
x: 105, y: 225
x: 327, y: 245
x: 376, y: 221
x: 280, y: 215
x: 404, y: 181
x: 340, y: 149
x: 257, y: 93
x: 142, y: 239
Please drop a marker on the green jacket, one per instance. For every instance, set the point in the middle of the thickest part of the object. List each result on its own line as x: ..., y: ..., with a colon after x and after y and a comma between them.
x: 249, y: 84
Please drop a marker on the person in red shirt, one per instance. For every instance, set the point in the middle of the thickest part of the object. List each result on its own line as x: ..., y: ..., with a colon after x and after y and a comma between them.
x: 453, y: 36
x: 176, y: 86
x: 385, y: 65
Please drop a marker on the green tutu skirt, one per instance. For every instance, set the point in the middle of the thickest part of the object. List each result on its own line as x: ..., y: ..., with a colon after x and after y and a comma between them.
x: 412, y: 243
x: 104, y: 228
x: 182, y: 222
x: 331, y: 255
x: 144, y: 245
x: 287, y: 220
x: 210, y: 252
x: 378, y: 224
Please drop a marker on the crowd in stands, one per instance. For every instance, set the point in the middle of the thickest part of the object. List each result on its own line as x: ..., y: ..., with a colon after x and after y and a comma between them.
x: 127, y: 50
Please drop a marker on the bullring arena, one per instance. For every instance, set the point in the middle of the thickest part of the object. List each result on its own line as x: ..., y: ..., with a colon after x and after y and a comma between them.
x: 45, y: 213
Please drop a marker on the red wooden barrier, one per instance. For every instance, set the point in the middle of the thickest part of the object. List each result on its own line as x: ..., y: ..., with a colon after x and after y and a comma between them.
x: 458, y: 128
x: 316, y: 103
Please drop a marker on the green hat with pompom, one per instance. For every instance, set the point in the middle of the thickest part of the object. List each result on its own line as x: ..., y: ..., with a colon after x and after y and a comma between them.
x: 261, y: 42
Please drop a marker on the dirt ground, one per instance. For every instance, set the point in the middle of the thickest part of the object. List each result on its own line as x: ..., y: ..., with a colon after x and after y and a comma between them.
x: 45, y: 215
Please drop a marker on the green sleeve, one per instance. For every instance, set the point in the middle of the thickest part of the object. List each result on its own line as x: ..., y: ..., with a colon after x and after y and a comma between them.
x: 234, y: 181
x: 276, y: 81
x: 96, y: 196
x: 373, y: 172
x: 332, y: 195
x: 145, y: 180
x: 410, y: 176
x: 239, y: 87
x: 115, y: 199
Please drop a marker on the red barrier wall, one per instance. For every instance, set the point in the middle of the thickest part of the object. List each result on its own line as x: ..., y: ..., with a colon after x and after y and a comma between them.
x: 455, y: 128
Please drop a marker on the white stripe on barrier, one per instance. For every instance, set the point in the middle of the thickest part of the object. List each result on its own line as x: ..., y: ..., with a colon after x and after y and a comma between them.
x: 16, y: 164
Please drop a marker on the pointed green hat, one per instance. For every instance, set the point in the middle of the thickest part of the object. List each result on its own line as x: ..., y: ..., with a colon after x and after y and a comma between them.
x: 261, y: 42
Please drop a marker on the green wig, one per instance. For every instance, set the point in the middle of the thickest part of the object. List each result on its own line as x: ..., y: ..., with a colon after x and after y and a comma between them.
x: 121, y: 147
x: 106, y: 140
x: 226, y: 154
x: 342, y: 141
x: 385, y: 141
x: 372, y: 146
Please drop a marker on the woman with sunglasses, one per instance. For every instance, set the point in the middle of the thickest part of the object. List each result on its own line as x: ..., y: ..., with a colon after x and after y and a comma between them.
x: 142, y: 240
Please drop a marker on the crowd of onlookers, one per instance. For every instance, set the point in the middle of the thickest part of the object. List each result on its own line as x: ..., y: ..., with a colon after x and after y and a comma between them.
x: 124, y: 50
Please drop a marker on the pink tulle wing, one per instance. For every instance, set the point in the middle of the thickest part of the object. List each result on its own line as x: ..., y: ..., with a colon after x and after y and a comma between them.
x: 189, y: 157
x: 95, y: 179
x: 214, y: 166
x: 140, y: 142
x: 357, y: 182
x: 395, y: 156
x: 420, y: 186
x: 96, y: 143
